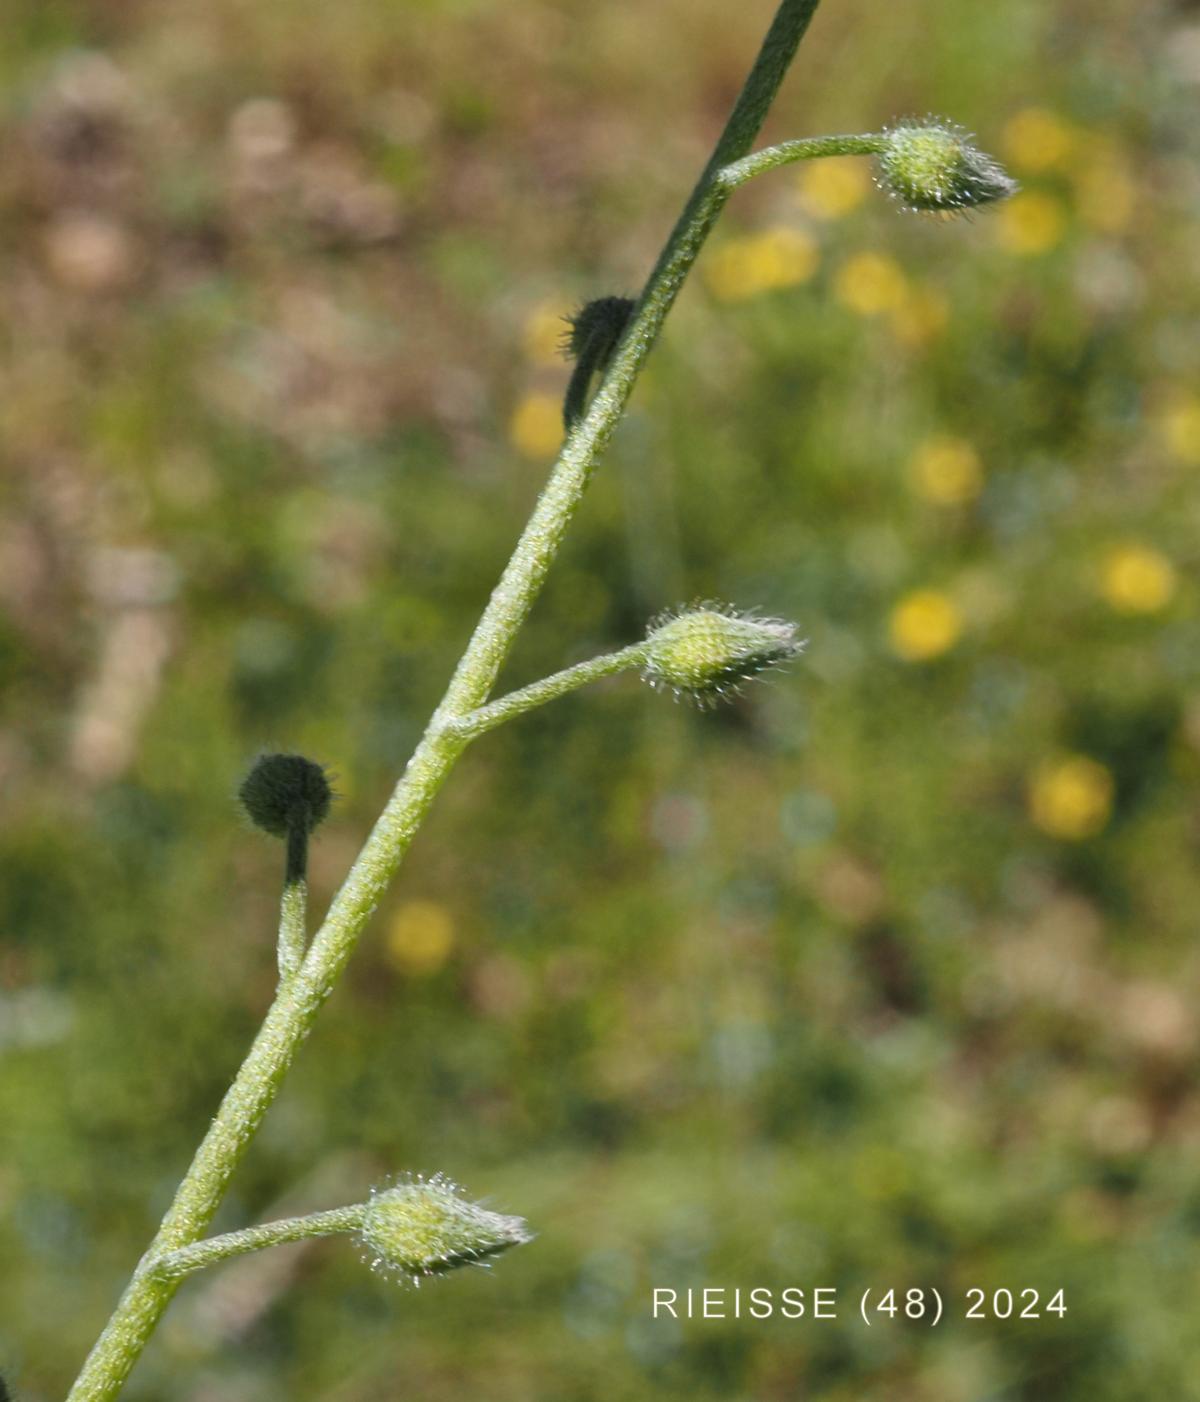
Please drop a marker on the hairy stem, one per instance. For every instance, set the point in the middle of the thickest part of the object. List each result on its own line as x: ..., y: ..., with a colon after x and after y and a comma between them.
x: 215, y: 1249
x: 293, y: 927
x: 806, y: 149
x: 516, y: 703
x: 300, y: 998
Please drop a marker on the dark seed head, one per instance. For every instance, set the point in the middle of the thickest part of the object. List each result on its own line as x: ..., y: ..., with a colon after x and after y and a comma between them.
x: 596, y: 328
x: 593, y: 334
x: 285, y: 793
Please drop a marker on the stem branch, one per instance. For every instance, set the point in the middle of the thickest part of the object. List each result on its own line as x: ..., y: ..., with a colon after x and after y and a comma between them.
x: 215, y: 1249
x: 806, y: 149
x: 516, y: 703
x: 293, y: 927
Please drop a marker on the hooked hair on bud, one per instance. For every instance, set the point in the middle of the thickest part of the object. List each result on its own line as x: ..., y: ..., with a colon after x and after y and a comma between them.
x: 593, y: 333
x: 706, y: 651
x: 930, y: 166
x: 286, y: 793
x: 421, y: 1227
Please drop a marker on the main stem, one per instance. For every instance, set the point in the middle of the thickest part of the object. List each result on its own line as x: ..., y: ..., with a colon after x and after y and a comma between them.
x: 298, y: 1001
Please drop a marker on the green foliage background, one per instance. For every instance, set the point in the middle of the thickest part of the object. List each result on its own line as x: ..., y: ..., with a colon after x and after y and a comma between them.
x: 802, y: 993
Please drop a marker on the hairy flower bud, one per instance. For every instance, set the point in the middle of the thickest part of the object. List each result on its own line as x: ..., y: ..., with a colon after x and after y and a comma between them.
x: 598, y: 324
x: 931, y: 166
x: 424, y: 1226
x: 282, y: 792
x: 706, y: 651
x: 593, y: 333
x: 288, y: 796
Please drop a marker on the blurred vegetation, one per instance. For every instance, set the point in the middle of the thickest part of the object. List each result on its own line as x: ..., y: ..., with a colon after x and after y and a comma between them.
x: 887, y: 975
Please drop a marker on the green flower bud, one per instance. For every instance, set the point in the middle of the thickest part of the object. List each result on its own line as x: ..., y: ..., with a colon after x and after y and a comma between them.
x: 931, y: 166
x: 706, y: 651
x: 423, y: 1227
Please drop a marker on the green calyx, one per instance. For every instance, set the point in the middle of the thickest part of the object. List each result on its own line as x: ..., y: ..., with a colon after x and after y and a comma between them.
x: 932, y: 167
x: 706, y: 652
x: 424, y: 1226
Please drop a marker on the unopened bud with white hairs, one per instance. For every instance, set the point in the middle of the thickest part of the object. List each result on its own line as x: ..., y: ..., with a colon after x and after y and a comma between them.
x: 706, y: 651
x: 424, y: 1226
x: 931, y: 166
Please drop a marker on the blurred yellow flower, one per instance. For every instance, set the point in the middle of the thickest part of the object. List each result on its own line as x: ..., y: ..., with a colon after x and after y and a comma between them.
x: 1037, y: 139
x: 543, y: 333
x: 1137, y: 579
x: 536, y: 427
x: 777, y: 257
x: 419, y: 938
x: 946, y: 470
x: 834, y: 186
x: 920, y: 317
x: 1032, y: 222
x: 871, y: 283
x: 1071, y: 797
x: 1105, y: 193
x: 1179, y: 423
x: 924, y: 624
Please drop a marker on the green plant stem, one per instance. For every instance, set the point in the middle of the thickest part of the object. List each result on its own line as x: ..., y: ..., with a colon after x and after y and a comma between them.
x: 212, y: 1250
x: 806, y: 149
x: 293, y: 927
x: 300, y: 998
x: 516, y: 703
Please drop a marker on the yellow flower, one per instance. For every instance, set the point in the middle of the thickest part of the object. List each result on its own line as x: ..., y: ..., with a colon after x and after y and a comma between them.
x: 924, y: 624
x: 536, y: 427
x: 1032, y: 222
x: 834, y: 186
x: 1179, y: 424
x: 543, y: 333
x: 420, y: 937
x: 1105, y: 192
x: 946, y: 471
x: 744, y: 267
x: 920, y: 317
x: 1137, y: 579
x: 1071, y: 797
x: 1037, y: 139
x: 871, y: 283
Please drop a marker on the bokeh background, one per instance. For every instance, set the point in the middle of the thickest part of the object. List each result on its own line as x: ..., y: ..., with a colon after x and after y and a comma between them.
x: 885, y: 976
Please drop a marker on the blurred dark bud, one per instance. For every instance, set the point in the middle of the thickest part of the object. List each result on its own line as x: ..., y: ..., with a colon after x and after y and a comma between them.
x: 593, y: 333
x: 283, y: 794
x: 598, y: 323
